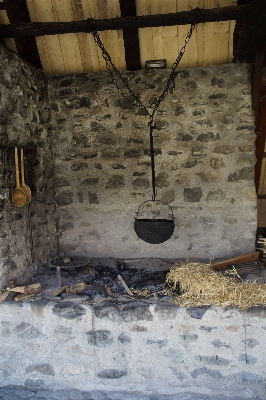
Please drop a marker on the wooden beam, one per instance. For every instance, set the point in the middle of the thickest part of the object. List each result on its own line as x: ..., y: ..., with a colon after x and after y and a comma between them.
x: 253, y: 38
x: 131, y: 38
x: 180, y: 18
x: 17, y: 13
x: 236, y: 260
x: 256, y: 76
x: 2, y: 6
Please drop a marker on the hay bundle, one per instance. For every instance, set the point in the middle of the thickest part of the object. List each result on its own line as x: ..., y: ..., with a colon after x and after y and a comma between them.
x: 201, y: 285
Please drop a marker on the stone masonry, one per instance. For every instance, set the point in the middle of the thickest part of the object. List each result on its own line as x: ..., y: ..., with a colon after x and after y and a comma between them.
x: 158, y: 351
x: 204, y: 161
x: 24, y: 113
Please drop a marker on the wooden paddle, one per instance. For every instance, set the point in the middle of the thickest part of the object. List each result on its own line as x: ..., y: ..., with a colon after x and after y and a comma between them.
x: 24, y: 187
x: 18, y: 194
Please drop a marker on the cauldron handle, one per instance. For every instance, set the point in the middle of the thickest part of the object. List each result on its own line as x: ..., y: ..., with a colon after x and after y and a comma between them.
x: 160, y: 201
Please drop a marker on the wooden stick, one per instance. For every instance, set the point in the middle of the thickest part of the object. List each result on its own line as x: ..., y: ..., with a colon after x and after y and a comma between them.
x: 29, y: 289
x: 125, y: 285
x: 224, y: 264
x: 4, y: 296
x: 58, y: 291
x: 21, y: 297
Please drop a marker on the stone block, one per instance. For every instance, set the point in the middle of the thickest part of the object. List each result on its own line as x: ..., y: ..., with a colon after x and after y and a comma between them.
x: 115, y: 182
x: 136, y: 313
x: 45, y: 369
x: 93, y: 198
x: 218, y: 82
x: 248, y: 378
x: 228, y: 119
x: 125, y: 103
x: 179, y: 110
x: 64, y: 198
x: 199, y: 151
x: 211, y: 373
x: 247, y: 358
x: 112, y: 313
x: 213, y: 360
x: 111, y: 373
x: 208, y: 177
x: 61, y: 181
x: 90, y: 181
x: 100, y: 338
x: 141, y: 183
x: 25, y: 330
x: 191, y: 85
x: 224, y: 149
x: 197, y: 312
x: 192, y: 194
x: 111, y: 153
x: 78, y: 166
x: 123, y: 338
x: 246, y: 173
x: 69, y: 310
x: 184, y: 137
x: 208, y: 137
x: 189, y: 337
x: 34, y: 383
x: 175, y: 355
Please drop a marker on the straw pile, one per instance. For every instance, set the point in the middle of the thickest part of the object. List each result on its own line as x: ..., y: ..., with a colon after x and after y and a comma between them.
x: 201, y: 285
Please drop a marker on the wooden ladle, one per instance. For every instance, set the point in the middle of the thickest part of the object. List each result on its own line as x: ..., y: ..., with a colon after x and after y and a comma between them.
x: 23, y: 186
x: 18, y: 194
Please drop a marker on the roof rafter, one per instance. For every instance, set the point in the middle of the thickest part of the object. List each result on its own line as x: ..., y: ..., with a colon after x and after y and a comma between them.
x: 17, y: 13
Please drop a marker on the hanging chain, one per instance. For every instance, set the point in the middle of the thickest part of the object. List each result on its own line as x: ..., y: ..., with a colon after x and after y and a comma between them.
x: 117, y: 76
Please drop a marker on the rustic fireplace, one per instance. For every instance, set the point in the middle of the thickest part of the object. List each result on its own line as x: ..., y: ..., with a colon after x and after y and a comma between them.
x: 87, y: 151
x: 87, y: 163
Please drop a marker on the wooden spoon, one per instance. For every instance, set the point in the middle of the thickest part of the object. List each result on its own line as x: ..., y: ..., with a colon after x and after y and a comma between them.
x: 23, y: 186
x: 18, y: 195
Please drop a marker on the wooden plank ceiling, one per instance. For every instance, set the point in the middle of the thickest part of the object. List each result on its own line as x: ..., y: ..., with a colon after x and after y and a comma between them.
x: 211, y: 42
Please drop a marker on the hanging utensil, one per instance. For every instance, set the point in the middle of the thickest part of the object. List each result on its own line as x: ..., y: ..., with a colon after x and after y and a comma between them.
x: 151, y: 230
x: 24, y: 187
x: 18, y: 194
x: 154, y: 231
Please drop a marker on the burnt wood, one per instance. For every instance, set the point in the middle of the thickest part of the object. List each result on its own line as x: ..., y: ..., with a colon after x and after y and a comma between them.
x: 180, y: 18
x: 17, y: 13
x: 130, y: 36
x: 253, y: 38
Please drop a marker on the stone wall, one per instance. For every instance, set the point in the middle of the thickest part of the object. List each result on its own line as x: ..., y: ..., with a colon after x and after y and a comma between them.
x: 204, y: 159
x: 24, y: 113
x: 150, y: 349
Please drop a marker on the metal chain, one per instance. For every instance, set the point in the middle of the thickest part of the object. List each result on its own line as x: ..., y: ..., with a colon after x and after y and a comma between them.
x: 117, y: 76
x: 115, y: 73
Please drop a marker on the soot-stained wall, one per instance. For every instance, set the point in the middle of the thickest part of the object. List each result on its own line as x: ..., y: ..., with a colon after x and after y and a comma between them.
x: 204, y: 160
x: 28, y: 233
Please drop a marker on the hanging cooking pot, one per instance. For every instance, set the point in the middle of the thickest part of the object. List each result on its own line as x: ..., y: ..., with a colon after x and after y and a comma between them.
x: 153, y: 230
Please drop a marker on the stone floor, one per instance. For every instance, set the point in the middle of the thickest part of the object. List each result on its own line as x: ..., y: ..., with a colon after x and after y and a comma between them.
x: 22, y: 393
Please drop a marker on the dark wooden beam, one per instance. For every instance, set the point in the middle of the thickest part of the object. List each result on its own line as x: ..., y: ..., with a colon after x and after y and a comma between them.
x: 259, y: 108
x: 131, y: 38
x: 17, y: 13
x: 2, y: 6
x: 180, y: 18
x: 253, y: 38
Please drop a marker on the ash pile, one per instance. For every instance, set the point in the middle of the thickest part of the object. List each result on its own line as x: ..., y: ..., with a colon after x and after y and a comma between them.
x: 78, y: 279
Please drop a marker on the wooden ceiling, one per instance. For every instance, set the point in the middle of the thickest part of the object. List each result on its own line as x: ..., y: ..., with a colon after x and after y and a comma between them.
x: 54, y: 34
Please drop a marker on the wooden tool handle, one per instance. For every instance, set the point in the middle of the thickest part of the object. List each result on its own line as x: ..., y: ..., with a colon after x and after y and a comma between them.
x: 17, y: 168
x: 22, y: 167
